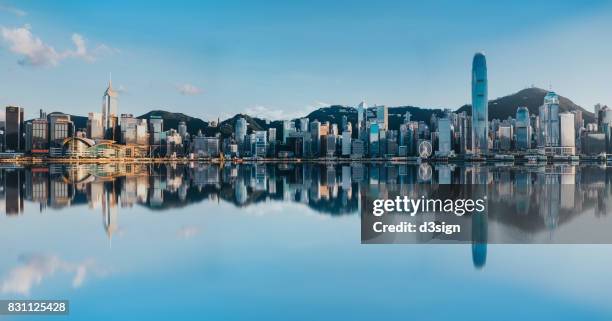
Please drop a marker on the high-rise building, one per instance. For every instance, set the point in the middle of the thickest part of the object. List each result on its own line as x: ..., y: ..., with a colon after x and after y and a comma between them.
x: 13, y: 129
x: 261, y: 143
x: 95, y: 126
x: 182, y: 129
x: 549, y: 121
x: 382, y: 117
x: 444, y: 136
x: 523, y: 129
x: 315, y: 132
x: 303, y: 124
x: 374, y: 140
x: 480, y: 113
x: 361, y: 119
x: 567, y: 133
x: 37, y: 136
x: 272, y: 134
x: 504, y: 136
x: 288, y: 128
x: 142, y: 130
x: 109, y: 111
x: 156, y: 136
x: 128, y: 124
x: 60, y: 128
x: 240, y: 130
x: 346, y: 143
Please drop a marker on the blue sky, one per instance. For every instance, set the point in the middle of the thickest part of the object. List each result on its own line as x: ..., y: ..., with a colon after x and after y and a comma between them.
x: 283, y: 58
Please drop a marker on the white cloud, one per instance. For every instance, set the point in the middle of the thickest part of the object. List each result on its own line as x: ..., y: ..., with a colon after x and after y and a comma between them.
x: 34, y: 52
x: 35, y: 268
x: 281, y: 114
x: 188, y: 89
x: 16, y: 11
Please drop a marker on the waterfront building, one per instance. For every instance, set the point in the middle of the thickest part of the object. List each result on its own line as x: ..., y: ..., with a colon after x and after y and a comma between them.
x: 205, y: 146
x: 346, y: 143
x: 480, y: 113
x: 182, y: 129
x: 549, y: 121
x: 272, y: 134
x: 374, y: 140
x: 157, y: 137
x: 95, y: 126
x: 260, y: 143
x: 240, y: 130
x: 288, y: 128
x: 444, y: 137
x: 315, y: 132
x: 593, y: 143
x: 127, y: 124
x: 523, y: 129
x: 303, y: 124
x: 567, y: 133
x: 504, y: 137
x: 357, y: 148
x: 37, y: 136
x: 60, y: 128
x: 13, y: 129
x: 174, y: 143
x: 142, y: 135
x: 382, y: 117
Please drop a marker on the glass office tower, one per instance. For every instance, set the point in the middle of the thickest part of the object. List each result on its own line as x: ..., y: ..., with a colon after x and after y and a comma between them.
x: 480, y: 112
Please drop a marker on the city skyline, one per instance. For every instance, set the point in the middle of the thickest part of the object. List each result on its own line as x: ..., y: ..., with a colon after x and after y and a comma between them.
x: 244, y: 51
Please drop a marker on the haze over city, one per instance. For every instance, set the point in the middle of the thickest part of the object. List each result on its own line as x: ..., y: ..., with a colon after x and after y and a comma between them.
x: 275, y: 60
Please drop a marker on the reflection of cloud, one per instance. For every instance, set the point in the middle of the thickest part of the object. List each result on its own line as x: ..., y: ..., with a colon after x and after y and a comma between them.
x: 34, y: 52
x: 281, y: 114
x: 188, y: 89
x: 36, y: 267
x: 187, y: 232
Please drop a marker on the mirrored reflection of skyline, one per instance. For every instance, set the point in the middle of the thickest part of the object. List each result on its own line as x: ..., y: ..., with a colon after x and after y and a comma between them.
x: 549, y: 192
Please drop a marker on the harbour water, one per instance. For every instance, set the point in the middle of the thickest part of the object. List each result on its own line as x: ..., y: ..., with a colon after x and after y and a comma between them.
x: 282, y: 241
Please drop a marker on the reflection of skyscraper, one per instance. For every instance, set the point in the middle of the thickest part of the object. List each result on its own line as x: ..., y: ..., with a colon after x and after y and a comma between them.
x: 480, y: 113
x: 12, y: 192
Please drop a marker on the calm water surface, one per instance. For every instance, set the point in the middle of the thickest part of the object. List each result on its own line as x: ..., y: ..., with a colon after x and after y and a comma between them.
x: 280, y: 242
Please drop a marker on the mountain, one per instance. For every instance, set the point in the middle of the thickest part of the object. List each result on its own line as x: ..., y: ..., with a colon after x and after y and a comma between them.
x: 531, y: 98
x: 500, y: 108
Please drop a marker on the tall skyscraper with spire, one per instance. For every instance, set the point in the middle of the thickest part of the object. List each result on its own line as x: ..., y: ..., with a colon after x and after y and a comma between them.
x: 480, y: 113
x: 109, y: 110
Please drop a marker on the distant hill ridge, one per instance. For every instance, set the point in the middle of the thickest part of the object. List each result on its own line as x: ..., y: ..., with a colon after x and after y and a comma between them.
x: 500, y: 108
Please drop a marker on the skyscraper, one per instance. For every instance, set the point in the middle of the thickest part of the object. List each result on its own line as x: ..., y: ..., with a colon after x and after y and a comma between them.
x: 523, y: 129
x: 95, y: 126
x: 13, y: 129
x: 109, y: 110
x: 444, y: 137
x: 549, y: 121
x: 382, y: 117
x: 480, y: 114
x: 361, y: 119
x: 567, y: 139
x: 241, y: 130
